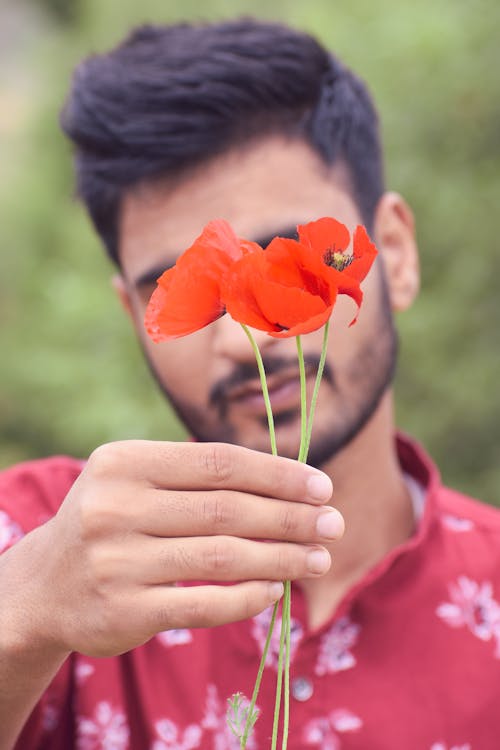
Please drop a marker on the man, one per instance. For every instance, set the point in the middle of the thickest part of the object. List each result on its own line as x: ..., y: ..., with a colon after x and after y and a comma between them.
x: 396, y: 645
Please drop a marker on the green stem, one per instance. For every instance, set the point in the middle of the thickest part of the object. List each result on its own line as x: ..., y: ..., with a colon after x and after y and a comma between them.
x: 265, y: 392
x: 248, y: 723
x: 285, y: 639
x: 317, y: 384
x: 279, y: 677
x: 303, y: 400
x: 285, y: 635
x: 286, y: 623
x: 274, y: 451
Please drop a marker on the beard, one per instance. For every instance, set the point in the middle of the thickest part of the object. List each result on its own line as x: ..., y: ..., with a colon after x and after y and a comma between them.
x: 352, y: 395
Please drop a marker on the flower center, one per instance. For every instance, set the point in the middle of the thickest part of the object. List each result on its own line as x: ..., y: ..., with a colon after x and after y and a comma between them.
x: 337, y: 259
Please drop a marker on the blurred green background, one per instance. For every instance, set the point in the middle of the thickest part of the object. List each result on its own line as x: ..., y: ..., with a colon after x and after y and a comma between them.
x: 71, y: 376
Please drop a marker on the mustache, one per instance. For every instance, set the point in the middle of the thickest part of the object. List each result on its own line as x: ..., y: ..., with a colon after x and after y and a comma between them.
x: 245, y: 372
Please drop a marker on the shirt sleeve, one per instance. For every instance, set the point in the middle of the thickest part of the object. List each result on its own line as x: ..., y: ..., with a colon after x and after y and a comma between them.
x: 30, y: 494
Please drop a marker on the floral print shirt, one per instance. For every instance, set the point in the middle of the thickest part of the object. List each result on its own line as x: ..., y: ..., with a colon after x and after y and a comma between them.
x: 410, y: 659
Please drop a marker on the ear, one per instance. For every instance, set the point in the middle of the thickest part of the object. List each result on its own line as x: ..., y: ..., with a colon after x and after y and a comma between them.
x: 119, y: 285
x: 394, y: 234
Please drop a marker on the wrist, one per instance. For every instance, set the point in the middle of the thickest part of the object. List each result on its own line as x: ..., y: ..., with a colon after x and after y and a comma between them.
x: 25, y: 624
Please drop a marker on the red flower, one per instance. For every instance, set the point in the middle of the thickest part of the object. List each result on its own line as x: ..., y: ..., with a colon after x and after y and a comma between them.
x: 330, y: 239
x: 291, y: 288
x: 188, y: 296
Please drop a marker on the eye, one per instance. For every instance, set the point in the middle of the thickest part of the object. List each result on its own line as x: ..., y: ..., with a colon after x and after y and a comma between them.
x: 145, y: 290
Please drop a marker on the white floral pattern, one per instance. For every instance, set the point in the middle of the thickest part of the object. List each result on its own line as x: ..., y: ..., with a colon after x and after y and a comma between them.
x: 442, y: 746
x: 106, y: 730
x: 169, y: 737
x: 175, y: 637
x: 324, y: 731
x: 472, y: 605
x: 83, y: 670
x: 10, y: 531
x: 334, y: 654
x: 50, y: 717
x: 457, y: 523
x: 260, y: 629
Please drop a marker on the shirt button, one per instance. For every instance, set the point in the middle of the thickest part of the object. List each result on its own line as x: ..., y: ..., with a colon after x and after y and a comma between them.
x: 302, y: 689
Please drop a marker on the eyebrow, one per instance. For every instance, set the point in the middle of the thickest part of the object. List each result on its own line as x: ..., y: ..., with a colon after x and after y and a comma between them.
x: 153, y: 274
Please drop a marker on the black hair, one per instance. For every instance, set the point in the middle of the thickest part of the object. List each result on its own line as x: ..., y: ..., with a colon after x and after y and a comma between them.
x: 171, y: 97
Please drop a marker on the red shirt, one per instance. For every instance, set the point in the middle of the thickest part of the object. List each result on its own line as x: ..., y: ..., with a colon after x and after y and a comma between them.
x: 410, y: 659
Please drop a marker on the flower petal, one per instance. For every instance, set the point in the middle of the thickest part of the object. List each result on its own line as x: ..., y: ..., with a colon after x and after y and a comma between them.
x: 188, y: 296
x: 364, y: 253
x: 189, y: 302
x: 293, y: 264
x: 219, y: 235
x: 286, y: 307
x: 305, y: 326
x: 267, y: 291
x: 324, y: 234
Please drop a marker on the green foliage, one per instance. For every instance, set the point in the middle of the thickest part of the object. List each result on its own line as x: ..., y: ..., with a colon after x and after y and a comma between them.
x: 72, y: 376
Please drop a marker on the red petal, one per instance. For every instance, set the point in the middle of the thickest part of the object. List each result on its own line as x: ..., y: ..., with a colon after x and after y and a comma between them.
x: 286, y: 307
x: 292, y: 264
x: 238, y: 291
x: 312, y: 324
x: 219, y: 235
x: 183, y: 302
x: 364, y: 253
x: 255, y: 295
x: 324, y: 234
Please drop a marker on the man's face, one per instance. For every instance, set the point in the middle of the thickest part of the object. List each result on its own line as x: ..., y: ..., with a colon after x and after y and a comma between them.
x: 210, y: 377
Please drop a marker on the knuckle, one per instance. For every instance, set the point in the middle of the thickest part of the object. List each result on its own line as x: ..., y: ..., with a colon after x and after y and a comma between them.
x: 216, y: 510
x: 218, y: 462
x: 104, y: 460
x: 89, y: 517
x: 192, y: 613
x: 98, y: 516
x: 286, y: 562
x: 196, y: 611
x: 165, y: 617
x: 174, y: 558
x: 288, y: 522
x: 100, y: 571
x: 220, y: 557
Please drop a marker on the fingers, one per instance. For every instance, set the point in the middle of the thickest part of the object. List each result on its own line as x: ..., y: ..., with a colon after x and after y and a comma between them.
x: 197, y: 466
x: 207, y: 606
x: 223, y: 558
x: 178, y: 514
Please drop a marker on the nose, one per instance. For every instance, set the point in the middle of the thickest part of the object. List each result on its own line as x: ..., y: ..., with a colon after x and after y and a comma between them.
x: 231, y: 341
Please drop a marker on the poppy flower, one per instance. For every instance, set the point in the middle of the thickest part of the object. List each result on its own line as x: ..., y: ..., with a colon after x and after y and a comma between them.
x: 188, y: 296
x: 291, y: 287
x: 330, y: 239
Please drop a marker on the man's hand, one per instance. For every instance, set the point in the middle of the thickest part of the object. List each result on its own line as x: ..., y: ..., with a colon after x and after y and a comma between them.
x: 100, y: 577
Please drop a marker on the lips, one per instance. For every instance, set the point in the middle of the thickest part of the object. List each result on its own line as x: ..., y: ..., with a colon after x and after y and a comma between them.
x: 283, y: 387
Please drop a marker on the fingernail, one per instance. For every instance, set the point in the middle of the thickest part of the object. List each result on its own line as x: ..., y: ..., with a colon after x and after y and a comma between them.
x: 275, y: 591
x: 319, y: 487
x: 318, y: 561
x: 330, y: 524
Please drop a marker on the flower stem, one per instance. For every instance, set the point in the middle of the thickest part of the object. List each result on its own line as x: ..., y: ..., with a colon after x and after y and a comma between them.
x: 279, y: 676
x: 274, y: 451
x: 285, y: 635
x: 303, y: 400
x: 317, y: 384
x: 248, y: 723
x: 265, y: 392
x: 286, y: 623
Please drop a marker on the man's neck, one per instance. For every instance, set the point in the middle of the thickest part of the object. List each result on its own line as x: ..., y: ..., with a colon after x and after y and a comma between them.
x: 370, y: 492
